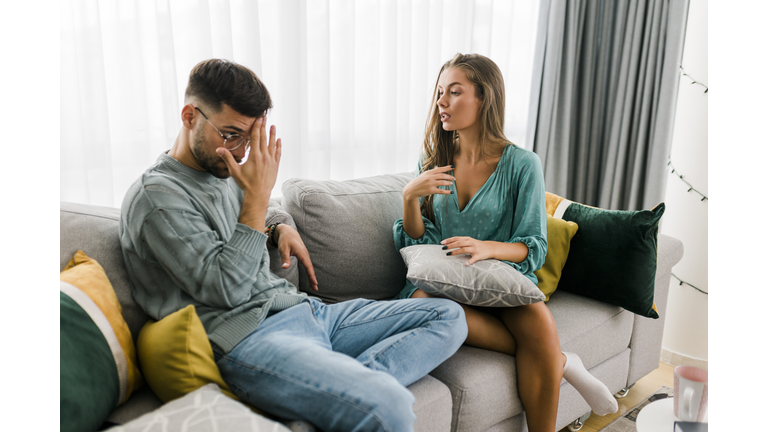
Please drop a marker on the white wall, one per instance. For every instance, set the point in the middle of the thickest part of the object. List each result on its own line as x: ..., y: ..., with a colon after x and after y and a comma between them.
x: 686, y: 217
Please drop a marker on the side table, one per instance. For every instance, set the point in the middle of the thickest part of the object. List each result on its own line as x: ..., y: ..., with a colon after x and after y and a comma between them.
x: 658, y: 416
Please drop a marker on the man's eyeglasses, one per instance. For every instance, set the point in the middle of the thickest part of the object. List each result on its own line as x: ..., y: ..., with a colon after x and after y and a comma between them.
x: 231, y: 141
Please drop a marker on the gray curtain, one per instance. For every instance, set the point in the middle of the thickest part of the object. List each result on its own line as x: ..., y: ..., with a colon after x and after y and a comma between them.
x: 603, y: 99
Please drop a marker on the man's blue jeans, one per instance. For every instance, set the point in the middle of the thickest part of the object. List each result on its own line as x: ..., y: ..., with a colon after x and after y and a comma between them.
x: 344, y: 367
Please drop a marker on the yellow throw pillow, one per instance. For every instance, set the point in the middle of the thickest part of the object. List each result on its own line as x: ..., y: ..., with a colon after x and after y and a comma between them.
x: 85, y: 282
x: 176, y: 356
x: 559, y: 235
x: 552, y: 201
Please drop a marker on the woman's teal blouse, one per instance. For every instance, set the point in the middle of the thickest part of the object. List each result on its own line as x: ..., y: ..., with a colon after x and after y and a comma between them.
x: 510, y: 207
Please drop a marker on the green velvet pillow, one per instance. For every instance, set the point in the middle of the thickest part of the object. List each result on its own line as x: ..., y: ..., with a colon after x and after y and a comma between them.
x: 89, y: 386
x: 613, y: 255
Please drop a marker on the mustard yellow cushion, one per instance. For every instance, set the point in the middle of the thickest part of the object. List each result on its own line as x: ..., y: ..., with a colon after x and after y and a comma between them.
x: 559, y: 235
x: 176, y: 356
x: 98, y: 369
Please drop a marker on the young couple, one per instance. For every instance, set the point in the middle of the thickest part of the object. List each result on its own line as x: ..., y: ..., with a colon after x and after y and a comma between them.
x: 194, y: 230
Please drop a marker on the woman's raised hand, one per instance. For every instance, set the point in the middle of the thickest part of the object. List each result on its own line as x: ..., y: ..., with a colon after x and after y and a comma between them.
x: 428, y: 183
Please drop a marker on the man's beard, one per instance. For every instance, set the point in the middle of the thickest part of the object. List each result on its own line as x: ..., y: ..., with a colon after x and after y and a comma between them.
x: 212, y: 163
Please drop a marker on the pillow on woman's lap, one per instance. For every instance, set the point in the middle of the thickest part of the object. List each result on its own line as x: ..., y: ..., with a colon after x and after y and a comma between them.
x: 489, y: 283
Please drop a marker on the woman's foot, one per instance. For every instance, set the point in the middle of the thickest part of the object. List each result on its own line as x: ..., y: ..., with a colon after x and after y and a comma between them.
x: 591, y: 389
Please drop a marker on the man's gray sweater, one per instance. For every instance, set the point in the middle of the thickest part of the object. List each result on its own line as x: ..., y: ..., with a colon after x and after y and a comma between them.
x: 182, y: 245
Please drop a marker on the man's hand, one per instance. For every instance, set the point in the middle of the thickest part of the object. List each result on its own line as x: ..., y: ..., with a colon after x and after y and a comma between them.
x: 257, y: 176
x: 289, y: 244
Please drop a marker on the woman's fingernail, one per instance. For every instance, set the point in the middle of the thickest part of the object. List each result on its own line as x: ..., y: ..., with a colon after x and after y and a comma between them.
x: 445, y: 247
x: 451, y: 192
x: 449, y: 253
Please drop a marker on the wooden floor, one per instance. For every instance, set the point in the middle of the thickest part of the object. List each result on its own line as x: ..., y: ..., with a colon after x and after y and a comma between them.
x: 663, y: 376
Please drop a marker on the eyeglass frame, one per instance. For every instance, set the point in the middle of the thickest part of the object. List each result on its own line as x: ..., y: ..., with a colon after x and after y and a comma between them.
x: 227, y: 137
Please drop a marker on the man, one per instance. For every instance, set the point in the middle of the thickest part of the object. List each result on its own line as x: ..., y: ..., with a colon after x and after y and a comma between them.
x: 193, y: 230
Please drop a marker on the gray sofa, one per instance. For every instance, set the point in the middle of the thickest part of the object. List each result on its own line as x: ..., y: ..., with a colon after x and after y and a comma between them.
x: 347, y: 227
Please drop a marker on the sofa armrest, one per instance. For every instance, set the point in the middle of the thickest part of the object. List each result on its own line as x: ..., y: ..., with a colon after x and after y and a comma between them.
x: 647, y: 333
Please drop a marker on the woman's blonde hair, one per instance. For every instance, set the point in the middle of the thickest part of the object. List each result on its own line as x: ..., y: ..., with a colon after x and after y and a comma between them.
x: 439, y: 145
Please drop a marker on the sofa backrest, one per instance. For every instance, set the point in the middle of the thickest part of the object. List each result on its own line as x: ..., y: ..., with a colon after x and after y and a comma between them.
x: 347, y: 228
x: 94, y: 230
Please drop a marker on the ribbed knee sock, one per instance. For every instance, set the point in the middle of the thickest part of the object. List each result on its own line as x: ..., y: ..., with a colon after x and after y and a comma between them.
x: 591, y: 389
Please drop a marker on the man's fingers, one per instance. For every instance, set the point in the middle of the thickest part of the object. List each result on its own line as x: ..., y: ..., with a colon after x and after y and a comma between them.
x: 307, y: 263
x: 256, y: 133
x: 228, y: 158
x: 285, y: 256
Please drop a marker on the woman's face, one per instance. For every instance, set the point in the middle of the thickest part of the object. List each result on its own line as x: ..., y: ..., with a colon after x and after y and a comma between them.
x: 456, y: 100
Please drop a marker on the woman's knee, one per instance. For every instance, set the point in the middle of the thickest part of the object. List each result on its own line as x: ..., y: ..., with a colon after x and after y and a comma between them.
x: 533, y: 323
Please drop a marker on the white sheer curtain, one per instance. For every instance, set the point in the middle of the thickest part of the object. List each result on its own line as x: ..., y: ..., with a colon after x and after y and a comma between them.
x: 351, y: 81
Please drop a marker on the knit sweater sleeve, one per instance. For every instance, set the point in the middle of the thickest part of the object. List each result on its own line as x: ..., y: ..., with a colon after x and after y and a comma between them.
x: 214, y: 270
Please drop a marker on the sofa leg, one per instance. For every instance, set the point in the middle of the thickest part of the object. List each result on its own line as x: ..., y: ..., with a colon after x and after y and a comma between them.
x: 579, y: 422
x: 623, y: 392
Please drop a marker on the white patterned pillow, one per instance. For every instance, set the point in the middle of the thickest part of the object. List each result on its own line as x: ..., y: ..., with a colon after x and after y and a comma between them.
x: 489, y: 282
x: 203, y: 410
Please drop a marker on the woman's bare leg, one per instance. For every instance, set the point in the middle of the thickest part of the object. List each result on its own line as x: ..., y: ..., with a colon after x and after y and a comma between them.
x: 539, y: 362
x: 485, y: 331
x: 529, y: 334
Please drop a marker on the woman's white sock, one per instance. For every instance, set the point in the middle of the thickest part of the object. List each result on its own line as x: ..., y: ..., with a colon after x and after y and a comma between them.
x: 591, y: 389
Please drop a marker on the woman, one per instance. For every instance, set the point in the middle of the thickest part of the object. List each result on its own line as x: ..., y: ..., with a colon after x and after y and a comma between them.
x: 479, y: 194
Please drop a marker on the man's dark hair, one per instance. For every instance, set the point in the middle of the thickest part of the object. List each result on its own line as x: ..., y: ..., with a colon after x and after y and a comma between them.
x: 215, y: 82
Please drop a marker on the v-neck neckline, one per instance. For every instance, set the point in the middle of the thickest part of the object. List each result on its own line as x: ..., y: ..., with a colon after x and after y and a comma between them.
x: 472, y: 199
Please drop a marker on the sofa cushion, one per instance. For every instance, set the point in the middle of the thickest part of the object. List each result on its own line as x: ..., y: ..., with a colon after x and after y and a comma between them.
x: 205, y: 409
x: 594, y: 330
x: 488, y: 282
x: 347, y: 228
x: 483, y: 387
x: 176, y: 356
x: 432, y: 406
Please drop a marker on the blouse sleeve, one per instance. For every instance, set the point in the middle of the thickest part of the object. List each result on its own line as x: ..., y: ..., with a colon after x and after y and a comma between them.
x: 431, y: 234
x: 529, y: 225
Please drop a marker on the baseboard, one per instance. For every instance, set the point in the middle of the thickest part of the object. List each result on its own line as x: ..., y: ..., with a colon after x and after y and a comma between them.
x: 676, y: 359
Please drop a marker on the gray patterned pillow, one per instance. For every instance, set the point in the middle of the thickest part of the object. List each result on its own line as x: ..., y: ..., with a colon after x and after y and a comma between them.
x: 489, y: 282
x: 205, y: 409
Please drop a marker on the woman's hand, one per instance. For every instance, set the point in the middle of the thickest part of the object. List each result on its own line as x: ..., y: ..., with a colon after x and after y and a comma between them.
x: 477, y: 249
x: 428, y: 182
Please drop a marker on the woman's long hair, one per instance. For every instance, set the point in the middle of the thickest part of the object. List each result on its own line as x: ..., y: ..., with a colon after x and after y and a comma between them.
x: 439, y: 144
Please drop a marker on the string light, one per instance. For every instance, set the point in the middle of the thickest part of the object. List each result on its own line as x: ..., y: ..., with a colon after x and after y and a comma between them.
x: 684, y: 282
x: 690, y: 186
x: 706, y: 89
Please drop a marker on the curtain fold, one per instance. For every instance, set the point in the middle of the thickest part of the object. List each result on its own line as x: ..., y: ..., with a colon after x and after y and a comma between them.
x: 604, y: 95
x: 351, y: 81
